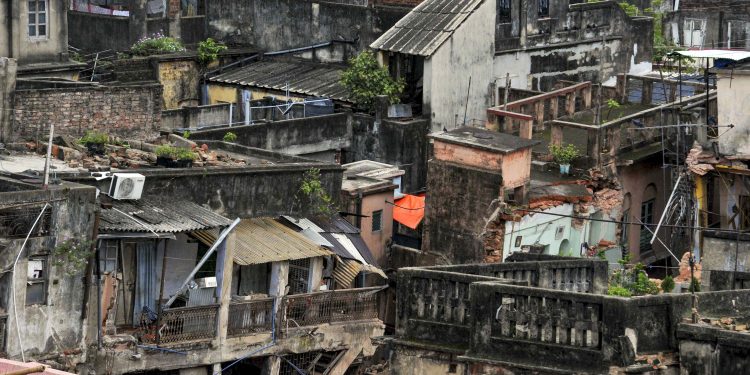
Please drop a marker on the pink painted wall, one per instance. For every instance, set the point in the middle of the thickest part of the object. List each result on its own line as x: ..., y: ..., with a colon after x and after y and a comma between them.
x: 635, y: 179
x: 515, y: 167
x: 377, y: 241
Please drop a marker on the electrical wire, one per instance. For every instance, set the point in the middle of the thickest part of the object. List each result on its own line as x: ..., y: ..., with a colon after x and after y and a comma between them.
x: 13, y: 280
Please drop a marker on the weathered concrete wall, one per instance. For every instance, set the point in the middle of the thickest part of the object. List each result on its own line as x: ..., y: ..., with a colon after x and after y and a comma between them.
x: 733, y: 97
x: 400, y: 143
x: 95, y: 32
x: 196, y: 116
x: 7, y: 88
x: 459, y: 203
x: 468, y: 53
x: 716, y: 24
x: 712, y: 351
x: 259, y: 190
x: 180, y: 79
x: 27, y: 49
x: 55, y: 326
x: 724, y: 252
x: 297, y: 137
x: 274, y: 25
x: 125, y: 111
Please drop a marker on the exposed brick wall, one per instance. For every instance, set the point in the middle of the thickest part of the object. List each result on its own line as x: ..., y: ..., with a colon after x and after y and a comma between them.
x: 124, y: 111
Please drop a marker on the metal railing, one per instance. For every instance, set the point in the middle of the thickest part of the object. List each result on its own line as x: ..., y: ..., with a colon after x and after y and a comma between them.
x: 250, y: 317
x: 330, y: 307
x: 188, y: 324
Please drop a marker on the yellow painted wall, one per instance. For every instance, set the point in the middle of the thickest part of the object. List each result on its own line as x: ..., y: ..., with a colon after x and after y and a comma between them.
x: 221, y: 94
x: 180, y: 80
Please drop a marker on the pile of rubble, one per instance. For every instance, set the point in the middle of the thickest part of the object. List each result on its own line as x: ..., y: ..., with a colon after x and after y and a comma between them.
x: 126, y: 155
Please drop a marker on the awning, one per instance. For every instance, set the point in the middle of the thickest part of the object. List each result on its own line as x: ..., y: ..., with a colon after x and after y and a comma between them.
x: 409, y: 210
x: 264, y: 240
x: 345, y: 272
x: 716, y: 54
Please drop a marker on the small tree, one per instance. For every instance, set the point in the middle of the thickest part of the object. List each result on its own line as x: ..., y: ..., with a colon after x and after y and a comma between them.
x: 612, y: 104
x: 312, y: 197
x: 667, y: 285
x: 366, y: 80
x: 208, y: 51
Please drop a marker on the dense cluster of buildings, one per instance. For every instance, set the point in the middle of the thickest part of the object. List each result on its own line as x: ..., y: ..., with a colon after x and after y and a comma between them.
x: 564, y: 187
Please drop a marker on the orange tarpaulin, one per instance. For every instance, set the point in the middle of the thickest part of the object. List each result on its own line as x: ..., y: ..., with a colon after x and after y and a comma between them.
x: 409, y: 210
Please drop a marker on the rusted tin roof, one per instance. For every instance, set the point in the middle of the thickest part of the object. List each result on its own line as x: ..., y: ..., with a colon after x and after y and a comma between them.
x: 306, y: 78
x: 159, y: 216
x: 426, y: 27
x: 263, y: 240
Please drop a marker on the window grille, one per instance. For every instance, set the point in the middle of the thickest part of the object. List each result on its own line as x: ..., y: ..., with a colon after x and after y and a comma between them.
x: 18, y: 222
x: 377, y: 221
x: 299, y: 274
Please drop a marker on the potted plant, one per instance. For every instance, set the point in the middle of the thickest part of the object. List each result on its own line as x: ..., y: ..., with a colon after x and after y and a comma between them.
x: 94, y: 142
x: 185, y: 157
x: 165, y: 156
x: 564, y: 155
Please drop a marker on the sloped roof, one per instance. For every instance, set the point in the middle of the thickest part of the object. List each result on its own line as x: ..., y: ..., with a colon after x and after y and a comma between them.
x: 159, y: 216
x: 426, y: 27
x: 306, y: 78
x: 343, y: 238
x: 264, y: 240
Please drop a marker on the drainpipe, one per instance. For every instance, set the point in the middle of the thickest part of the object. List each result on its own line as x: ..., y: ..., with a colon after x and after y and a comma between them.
x: 9, y: 21
x: 359, y: 210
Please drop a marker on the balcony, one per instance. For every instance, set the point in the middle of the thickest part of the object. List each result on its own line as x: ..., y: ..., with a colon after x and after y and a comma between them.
x: 330, y: 307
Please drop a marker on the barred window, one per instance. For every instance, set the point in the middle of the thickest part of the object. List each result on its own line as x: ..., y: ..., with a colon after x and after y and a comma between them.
x: 543, y: 8
x: 377, y: 221
x: 37, y: 18
x: 36, y: 284
x: 504, y: 11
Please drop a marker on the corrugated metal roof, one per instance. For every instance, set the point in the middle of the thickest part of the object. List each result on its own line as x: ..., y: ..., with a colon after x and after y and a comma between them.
x: 159, y: 216
x: 304, y: 78
x: 263, y: 240
x: 350, y: 245
x: 426, y: 27
x: 345, y: 272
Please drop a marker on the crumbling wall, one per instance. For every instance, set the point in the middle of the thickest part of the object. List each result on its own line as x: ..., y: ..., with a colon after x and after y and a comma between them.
x: 124, y: 111
x: 460, y: 201
x: 7, y: 87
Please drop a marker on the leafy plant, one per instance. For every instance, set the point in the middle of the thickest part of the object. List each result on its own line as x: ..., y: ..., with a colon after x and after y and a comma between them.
x: 612, y: 104
x: 92, y: 137
x: 186, y: 134
x: 166, y: 151
x: 365, y: 79
x: 695, y: 285
x: 184, y: 153
x: 630, y: 10
x: 619, y: 291
x: 156, y: 44
x: 632, y: 279
x: 208, y: 51
x: 230, y: 137
x: 72, y: 255
x: 667, y: 285
x: 564, y: 154
x: 314, y: 196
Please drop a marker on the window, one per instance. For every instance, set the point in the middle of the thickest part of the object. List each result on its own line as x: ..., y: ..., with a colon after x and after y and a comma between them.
x: 191, y: 8
x: 625, y: 227
x: 377, y: 220
x: 543, y: 8
x: 36, y: 284
x: 504, y: 11
x: 37, y: 18
x: 647, y: 217
x: 108, y: 256
x: 299, y: 274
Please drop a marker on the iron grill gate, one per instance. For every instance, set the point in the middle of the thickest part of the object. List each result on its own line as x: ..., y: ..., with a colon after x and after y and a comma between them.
x: 299, y: 274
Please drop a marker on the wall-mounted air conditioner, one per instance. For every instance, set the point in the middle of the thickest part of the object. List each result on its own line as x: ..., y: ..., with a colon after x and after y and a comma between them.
x: 126, y: 186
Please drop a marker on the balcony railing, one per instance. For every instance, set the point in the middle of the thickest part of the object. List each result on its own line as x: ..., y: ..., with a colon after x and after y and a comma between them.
x: 330, y: 307
x: 188, y: 324
x: 250, y: 317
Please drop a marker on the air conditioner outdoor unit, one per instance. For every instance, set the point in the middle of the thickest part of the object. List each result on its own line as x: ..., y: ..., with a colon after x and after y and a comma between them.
x: 126, y: 186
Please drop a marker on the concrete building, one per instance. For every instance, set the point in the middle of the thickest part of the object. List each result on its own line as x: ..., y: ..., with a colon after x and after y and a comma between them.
x: 472, y: 171
x: 368, y: 192
x: 35, y: 34
x: 458, y: 61
x: 547, y: 315
x: 706, y: 24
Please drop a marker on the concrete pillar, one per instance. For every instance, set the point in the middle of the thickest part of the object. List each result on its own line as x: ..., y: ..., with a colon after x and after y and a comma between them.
x: 570, y: 102
x: 316, y: 274
x: 508, y: 125
x: 647, y: 92
x: 8, y: 69
x: 539, y: 114
x: 613, y: 140
x: 556, y: 136
x: 622, y: 83
x: 554, y: 107
x: 226, y: 285
x: 593, y: 145
x: 586, y: 97
x: 137, y: 28
x: 672, y: 92
x: 272, y: 366
x: 279, y: 279
x: 526, y: 129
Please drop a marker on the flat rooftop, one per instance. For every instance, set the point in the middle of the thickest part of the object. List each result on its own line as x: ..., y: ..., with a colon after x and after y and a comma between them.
x: 484, y: 139
x: 373, y: 169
